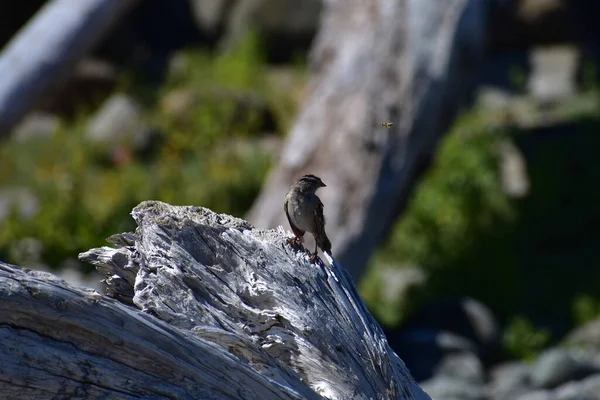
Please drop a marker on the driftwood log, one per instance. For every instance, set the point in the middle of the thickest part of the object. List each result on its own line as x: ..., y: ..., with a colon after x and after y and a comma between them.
x: 200, y: 306
x: 41, y: 56
x: 409, y: 62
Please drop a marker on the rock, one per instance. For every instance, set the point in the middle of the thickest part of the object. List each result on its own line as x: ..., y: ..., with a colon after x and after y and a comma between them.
x: 21, y: 199
x: 513, y: 169
x: 423, y: 351
x: 119, y: 122
x: 118, y: 118
x: 553, y: 72
x: 462, y: 316
x: 493, y: 98
x: 509, y: 379
x: 36, y: 125
x: 27, y: 251
x: 91, y: 81
x: 118, y: 125
x: 442, y: 329
x: 181, y: 105
x: 586, y: 335
x: 210, y: 14
x: 288, y: 16
x: 557, y: 366
x: 587, y: 389
x: 446, y: 388
x: 532, y: 9
x: 449, y: 342
x: 397, y: 280
x: 178, y: 66
x: 464, y: 367
x: 536, y: 395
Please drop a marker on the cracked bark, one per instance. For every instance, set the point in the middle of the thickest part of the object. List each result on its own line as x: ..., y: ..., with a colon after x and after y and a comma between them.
x: 202, y: 306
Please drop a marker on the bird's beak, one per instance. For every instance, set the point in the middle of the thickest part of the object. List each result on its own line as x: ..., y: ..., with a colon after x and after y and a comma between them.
x: 323, y: 185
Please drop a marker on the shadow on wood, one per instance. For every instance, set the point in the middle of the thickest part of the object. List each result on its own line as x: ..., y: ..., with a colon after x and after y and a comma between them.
x: 209, y: 308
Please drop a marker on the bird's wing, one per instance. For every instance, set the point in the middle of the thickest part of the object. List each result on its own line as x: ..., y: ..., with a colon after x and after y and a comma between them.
x: 297, y: 231
x: 321, y: 237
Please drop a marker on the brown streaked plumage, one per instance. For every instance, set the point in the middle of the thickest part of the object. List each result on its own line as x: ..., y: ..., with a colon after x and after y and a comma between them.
x: 304, y: 211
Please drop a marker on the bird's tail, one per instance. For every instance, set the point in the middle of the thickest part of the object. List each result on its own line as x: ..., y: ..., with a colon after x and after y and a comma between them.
x: 324, y: 243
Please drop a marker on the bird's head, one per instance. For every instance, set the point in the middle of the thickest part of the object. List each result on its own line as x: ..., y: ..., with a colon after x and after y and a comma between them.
x: 310, y: 183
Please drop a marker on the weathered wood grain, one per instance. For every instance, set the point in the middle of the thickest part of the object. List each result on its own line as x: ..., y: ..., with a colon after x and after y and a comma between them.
x: 61, y: 342
x: 210, y: 308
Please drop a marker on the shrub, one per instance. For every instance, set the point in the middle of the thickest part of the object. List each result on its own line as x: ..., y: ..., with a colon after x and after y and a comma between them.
x: 211, y: 157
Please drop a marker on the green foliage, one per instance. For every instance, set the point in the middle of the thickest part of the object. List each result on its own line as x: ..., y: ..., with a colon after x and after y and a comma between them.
x: 208, y: 154
x: 533, y: 256
x: 240, y: 70
x: 517, y: 79
x: 585, y: 308
x: 523, y: 340
x: 458, y: 203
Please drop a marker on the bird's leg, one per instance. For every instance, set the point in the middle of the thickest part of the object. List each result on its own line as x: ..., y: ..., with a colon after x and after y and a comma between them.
x: 295, y: 240
x: 313, y: 257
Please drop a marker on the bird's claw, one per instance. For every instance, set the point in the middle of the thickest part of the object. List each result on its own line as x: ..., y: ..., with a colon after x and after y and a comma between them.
x: 295, y: 240
x: 313, y: 257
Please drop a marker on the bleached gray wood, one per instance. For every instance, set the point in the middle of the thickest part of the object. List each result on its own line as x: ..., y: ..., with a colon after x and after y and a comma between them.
x: 409, y: 62
x: 62, y: 342
x: 212, y: 309
x: 42, y: 54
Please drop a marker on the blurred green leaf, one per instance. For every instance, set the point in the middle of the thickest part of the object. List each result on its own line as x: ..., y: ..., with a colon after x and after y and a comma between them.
x: 210, y: 154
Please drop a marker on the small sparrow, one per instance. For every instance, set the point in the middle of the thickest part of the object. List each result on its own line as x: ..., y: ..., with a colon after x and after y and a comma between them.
x: 304, y: 212
x: 387, y: 124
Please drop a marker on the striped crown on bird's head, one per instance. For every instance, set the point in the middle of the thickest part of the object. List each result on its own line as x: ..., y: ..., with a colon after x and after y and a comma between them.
x: 310, y: 182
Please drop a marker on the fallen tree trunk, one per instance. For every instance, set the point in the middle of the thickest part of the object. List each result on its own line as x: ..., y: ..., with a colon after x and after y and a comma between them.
x: 409, y: 62
x: 45, y: 51
x: 210, y: 308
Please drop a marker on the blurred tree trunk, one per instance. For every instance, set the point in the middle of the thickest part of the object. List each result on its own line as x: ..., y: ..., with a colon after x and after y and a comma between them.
x: 409, y: 62
x: 45, y: 51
